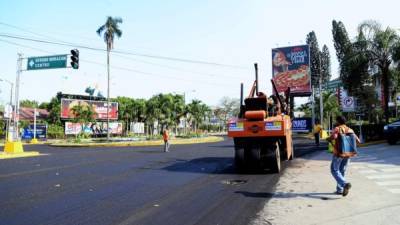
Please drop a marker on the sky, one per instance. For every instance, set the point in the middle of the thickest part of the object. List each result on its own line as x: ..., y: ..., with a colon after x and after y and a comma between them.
x: 231, y: 33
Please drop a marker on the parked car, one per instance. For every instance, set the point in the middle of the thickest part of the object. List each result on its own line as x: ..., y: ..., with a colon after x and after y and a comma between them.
x: 392, y: 132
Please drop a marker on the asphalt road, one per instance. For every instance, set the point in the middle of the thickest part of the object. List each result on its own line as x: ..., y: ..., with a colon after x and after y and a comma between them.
x: 192, y: 184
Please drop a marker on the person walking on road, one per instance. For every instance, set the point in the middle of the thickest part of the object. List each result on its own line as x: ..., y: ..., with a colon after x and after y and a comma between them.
x: 317, y: 132
x: 340, y: 163
x: 166, y: 140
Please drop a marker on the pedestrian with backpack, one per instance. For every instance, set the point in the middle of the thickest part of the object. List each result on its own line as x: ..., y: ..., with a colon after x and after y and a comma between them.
x: 345, y: 147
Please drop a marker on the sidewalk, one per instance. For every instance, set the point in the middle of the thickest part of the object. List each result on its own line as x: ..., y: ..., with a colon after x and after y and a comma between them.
x: 304, y: 194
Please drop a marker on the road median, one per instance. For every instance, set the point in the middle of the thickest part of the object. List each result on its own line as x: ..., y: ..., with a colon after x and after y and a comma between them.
x: 178, y: 141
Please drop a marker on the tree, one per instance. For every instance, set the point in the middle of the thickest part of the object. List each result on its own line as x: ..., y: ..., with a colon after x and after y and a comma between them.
x: 381, y: 46
x: 354, y: 67
x: 110, y: 29
x: 179, y: 110
x: 315, y: 58
x: 230, y: 107
x: 83, y: 114
x: 331, y: 106
x: 139, y: 110
x: 197, y: 113
x: 54, y: 109
x: 325, y: 65
x: 125, y: 105
x: 342, y: 44
x: 305, y: 108
x: 29, y: 103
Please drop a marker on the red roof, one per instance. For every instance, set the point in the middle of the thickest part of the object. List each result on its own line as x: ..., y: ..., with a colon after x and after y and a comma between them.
x: 27, y: 114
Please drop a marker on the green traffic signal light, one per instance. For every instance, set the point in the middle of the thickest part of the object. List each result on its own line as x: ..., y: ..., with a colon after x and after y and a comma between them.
x: 75, y: 58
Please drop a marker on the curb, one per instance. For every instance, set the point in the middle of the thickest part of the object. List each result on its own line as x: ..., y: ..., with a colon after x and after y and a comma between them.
x: 143, y: 143
x: 372, y: 143
x: 19, y: 155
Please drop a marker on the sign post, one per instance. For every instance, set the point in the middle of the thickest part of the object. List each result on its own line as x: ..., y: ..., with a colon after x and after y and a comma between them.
x: 34, y: 140
x: 47, y: 62
x: 33, y: 63
x: 348, y: 104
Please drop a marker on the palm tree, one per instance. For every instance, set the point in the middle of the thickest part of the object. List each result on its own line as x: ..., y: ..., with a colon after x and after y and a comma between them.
x: 331, y: 106
x: 178, y: 110
x: 110, y: 29
x: 381, y: 46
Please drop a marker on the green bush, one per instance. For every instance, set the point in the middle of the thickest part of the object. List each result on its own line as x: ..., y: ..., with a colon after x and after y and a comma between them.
x: 55, y: 131
x: 155, y: 137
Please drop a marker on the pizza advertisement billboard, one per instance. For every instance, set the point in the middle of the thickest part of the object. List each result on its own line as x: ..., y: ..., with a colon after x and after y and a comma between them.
x: 291, y: 69
x: 99, y: 107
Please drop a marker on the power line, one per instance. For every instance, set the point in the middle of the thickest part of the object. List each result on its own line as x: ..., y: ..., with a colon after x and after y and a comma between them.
x: 176, y: 68
x: 28, y: 31
x: 119, y: 67
x: 123, y: 52
x: 122, y: 56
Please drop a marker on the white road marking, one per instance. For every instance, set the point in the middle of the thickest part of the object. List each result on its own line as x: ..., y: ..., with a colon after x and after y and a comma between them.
x: 394, y: 169
x: 384, y: 176
x: 395, y: 191
x: 370, y: 164
x: 363, y: 159
x: 389, y: 183
x: 368, y: 171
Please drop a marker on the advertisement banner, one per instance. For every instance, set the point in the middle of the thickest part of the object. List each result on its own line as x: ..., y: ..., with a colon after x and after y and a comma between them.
x: 93, y: 128
x: 301, y: 124
x: 72, y: 128
x: 291, y: 68
x: 41, y: 132
x: 137, y: 128
x: 99, y: 107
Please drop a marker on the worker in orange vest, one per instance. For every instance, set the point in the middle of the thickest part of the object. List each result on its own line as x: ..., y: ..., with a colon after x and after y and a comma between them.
x: 166, y: 140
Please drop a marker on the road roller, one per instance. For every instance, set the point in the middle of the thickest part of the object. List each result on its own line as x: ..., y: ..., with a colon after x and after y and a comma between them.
x: 262, y: 132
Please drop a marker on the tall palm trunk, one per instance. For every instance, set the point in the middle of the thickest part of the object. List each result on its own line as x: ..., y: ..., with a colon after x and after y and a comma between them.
x: 108, y: 92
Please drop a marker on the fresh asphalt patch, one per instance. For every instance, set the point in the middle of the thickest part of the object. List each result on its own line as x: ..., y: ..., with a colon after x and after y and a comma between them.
x: 192, y: 184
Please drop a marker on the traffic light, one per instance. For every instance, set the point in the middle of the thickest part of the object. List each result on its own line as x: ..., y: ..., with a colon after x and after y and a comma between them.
x: 75, y: 58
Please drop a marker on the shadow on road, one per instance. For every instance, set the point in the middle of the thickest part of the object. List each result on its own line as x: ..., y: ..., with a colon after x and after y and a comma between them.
x: 222, y: 146
x: 214, y: 165
x: 322, y: 196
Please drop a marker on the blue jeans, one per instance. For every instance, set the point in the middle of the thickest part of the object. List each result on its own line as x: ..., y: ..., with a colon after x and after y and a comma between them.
x: 338, y: 170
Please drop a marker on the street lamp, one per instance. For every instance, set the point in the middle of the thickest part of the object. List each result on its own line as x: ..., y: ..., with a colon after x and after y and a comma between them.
x: 11, y: 95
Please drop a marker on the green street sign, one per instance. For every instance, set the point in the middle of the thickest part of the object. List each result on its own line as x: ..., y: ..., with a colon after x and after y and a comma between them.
x: 47, y: 62
x: 333, y: 84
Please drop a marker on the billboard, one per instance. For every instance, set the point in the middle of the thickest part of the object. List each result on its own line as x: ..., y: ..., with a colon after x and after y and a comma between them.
x: 301, y: 124
x: 41, y: 131
x: 93, y: 128
x: 291, y: 68
x: 137, y: 128
x: 100, y: 107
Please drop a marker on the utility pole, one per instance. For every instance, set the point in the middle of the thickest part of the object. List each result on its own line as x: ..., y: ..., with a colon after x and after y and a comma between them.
x: 16, y: 112
x: 11, y: 113
x: 34, y: 124
x: 11, y: 106
x: 321, y: 104
x: 108, y: 91
x: 312, y: 106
